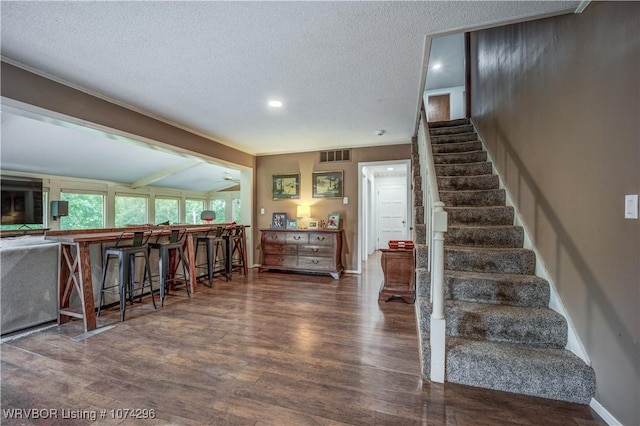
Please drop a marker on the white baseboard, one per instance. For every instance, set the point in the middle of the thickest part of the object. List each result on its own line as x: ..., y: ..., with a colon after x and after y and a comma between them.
x: 602, y: 412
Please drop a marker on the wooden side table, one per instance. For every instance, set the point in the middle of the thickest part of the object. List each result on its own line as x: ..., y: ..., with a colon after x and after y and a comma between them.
x: 398, y: 266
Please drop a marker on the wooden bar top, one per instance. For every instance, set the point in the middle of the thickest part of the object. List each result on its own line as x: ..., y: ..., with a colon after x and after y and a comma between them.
x: 98, y: 235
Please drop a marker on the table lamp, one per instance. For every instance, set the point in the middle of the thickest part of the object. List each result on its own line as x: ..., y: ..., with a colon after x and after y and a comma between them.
x: 303, y: 212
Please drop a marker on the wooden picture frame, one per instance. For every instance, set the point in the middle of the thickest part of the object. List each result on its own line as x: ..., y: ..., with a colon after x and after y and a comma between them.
x: 292, y: 223
x: 286, y: 186
x: 333, y: 221
x: 328, y: 184
x: 279, y: 220
x: 313, y: 224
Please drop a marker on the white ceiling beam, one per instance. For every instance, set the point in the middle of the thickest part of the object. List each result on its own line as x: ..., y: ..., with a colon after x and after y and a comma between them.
x: 148, y: 180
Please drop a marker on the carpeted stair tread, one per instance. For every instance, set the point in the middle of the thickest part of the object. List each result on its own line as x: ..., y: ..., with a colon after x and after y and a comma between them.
x: 461, y: 183
x: 492, y: 260
x: 544, y: 372
x: 485, y: 236
x: 442, y: 148
x: 473, y: 198
x: 506, y: 289
x: 449, y: 130
x: 460, y: 157
x: 449, y: 123
x: 454, y: 138
x: 468, y: 169
x: 480, y: 215
x: 540, y: 327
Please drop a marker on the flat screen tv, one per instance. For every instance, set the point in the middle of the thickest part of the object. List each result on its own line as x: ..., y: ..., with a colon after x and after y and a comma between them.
x: 21, y: 201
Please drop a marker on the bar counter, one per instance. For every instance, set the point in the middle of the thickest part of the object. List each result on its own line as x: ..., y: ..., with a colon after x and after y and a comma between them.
x: 75, y: 263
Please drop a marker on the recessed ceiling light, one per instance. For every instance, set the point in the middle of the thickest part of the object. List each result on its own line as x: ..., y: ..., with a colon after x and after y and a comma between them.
x: 275, y: 104
x: 437, y: 66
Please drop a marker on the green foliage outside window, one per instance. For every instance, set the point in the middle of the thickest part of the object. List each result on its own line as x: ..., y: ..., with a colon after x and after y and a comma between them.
x: 193, y: 208
x: 130, y: 211
x: 85, y: 211
x: 218, y: 206
x: 167, y: 210
x: 235, y: 209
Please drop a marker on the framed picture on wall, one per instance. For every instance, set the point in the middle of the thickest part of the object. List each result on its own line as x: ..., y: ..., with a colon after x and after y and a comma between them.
x: 286, y: 186
x: 327, y: 184
x: 279, y: 220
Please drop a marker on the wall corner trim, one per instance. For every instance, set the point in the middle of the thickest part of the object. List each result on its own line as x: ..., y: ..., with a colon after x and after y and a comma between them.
x: 604, y: 413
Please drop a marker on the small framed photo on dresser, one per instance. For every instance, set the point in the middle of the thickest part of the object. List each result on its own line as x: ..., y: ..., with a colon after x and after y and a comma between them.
x: 292, y: 223
x: 313, y: 224
x: 279, y: 220
x: 333, y: 221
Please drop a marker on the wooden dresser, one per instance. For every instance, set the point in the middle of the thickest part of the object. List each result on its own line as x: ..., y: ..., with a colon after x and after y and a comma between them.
x: 302, y: 250
x: 398, y: 266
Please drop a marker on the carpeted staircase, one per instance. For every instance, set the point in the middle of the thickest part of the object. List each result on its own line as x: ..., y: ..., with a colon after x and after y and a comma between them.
x: 500, y: 332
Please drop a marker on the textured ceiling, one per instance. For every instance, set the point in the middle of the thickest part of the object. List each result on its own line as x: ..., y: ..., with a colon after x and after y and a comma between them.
x: 342, y: 69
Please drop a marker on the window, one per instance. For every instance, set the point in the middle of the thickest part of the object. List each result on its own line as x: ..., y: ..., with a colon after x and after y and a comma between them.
x: 193, y: 208
x: 85, y: 211
x: 235, y: 210
x: 219, y: 206
x: 167, y: 210
x: 130, y: 210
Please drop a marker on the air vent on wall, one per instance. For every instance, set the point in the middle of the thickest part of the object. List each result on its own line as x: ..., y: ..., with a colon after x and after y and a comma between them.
x: 335, y: 155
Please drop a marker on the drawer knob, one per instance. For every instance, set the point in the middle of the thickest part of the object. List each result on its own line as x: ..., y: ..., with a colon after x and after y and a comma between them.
x: 320, y: 238
x: 296, y: 237
x: 315, y: 262
x: 315, y: 250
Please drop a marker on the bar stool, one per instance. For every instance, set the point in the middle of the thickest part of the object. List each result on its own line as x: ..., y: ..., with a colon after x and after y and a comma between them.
x: 166, y: 274
x: 237, y: 250
x: 215, y: 263
x: 126, y: 257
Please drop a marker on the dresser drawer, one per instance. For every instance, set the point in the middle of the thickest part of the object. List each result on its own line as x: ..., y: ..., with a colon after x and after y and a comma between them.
x: 280, y: 260
x: 274, y: 248
x: 320, y: 251
x: 296, y: 238
x: 316, y: 263
x: 273, y: 237
x: 317, y: 238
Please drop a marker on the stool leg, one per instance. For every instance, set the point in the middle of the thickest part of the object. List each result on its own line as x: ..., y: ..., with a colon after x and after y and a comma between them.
x: 147, y: 272
x: 161, y: 273
x: 123, y: 277
x: 184, y: 269
x: 105, y: 264
x: 209, y: 265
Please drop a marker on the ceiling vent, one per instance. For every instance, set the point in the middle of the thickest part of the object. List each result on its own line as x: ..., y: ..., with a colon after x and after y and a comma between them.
x: 335, y: 155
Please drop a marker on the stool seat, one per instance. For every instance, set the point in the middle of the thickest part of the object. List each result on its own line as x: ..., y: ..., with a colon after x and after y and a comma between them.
x: 166, y: 274
x: 126, y: 259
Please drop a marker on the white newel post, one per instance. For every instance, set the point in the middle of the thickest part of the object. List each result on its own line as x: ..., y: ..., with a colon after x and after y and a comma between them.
x: 437, y: 333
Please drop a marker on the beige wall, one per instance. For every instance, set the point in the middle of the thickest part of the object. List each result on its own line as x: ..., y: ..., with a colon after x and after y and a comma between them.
x: 306, y: 164
x: 557, y: 104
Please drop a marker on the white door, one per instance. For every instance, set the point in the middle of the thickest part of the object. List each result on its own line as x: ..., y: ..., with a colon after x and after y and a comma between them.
x: 392, y: 214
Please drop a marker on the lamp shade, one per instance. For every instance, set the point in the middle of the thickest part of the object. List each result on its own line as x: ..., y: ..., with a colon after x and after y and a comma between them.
x: 208, y: 215
x: 303, y: 211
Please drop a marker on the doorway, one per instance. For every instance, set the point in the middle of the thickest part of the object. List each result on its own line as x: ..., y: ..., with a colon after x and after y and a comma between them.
x: 439, y: 108
x: 383, y: 205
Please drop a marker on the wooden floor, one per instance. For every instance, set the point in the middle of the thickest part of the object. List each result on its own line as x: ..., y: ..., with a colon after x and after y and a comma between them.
x: 269, y: 348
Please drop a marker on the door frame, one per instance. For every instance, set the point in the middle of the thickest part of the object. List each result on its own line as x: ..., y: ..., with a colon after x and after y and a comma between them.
x: 365, y: 215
